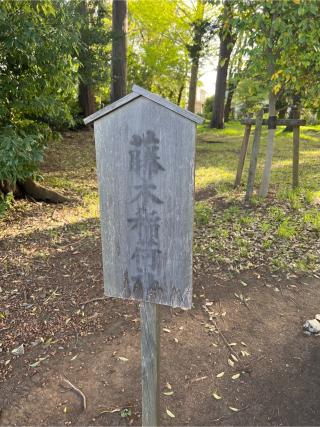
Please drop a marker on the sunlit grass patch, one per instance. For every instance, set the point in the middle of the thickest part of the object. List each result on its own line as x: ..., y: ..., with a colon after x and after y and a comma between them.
x: 202, y: 212
x: 287, y: 229
x: 312, y: 219
x: 312, y: 196
x: 217, y: 162
x: 219, y: 176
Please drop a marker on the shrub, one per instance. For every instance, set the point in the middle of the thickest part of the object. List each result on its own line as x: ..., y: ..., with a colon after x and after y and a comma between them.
x: 21, y: 150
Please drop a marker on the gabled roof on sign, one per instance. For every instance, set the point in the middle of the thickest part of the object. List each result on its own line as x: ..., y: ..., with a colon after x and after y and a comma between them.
x: 138, y: 91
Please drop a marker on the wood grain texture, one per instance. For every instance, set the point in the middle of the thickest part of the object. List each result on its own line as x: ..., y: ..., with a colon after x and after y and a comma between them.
x: 254, y: 155
x: 242, y: 155
x: 109, y: 108
x: 165, y: 103
x: 150, y: 363
x: 280, y: 122
x: 167, y: 203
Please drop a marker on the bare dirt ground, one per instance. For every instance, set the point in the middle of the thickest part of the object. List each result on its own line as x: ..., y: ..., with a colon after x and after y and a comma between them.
x: 231, y: 360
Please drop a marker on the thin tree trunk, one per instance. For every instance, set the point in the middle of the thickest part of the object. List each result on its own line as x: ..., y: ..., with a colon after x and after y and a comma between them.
x: 199, y: 29
x: 180, y: 94
x: 227, y: 108
x: 193, y: 85
x: 86, y: 93
x: 226, y: 46
x: 119, y: 49
x: 292, y: 114
x: 264, y: 188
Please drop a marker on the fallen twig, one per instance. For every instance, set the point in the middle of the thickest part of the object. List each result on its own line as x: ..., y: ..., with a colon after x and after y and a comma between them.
x: 224, y: 338
x: 77, y: 390
x: 194, y: 380
x: 219, y: 332
x: 112, y: 411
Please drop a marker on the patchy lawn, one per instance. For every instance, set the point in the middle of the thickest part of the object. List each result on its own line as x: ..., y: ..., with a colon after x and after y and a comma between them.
x: 238, y: 357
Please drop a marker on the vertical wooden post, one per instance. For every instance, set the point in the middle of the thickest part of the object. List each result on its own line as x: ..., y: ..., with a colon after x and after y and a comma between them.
x: 242, y: 156
x: 254, y: 155
x: 296, y: 143
x: 150, y: 363
x: 295, y: 163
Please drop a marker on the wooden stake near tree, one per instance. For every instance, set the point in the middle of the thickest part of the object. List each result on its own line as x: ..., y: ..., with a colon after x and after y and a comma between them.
x: 145, y: 147
x: 254, y: 155
x: 248, y: 122
x: 243, y: 153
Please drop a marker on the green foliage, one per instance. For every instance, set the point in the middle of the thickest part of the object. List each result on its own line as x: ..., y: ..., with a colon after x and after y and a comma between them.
x: 312, y: 196
x: 281, y: 49
x: 157, y: 54
x: 21, y: 151
x: 202, y: 212
x: 37, y: 41
x: 286, y: 229
x: 93, y: 19
x: 5, y: 203
x: 208, y: 106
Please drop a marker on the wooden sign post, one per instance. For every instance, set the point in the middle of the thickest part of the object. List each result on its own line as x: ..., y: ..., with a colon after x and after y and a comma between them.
x: 145, y: 148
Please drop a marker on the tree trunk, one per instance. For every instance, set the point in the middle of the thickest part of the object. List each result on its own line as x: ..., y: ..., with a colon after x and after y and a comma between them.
x: 119, y: 49
x: 180, y: 94
x: 282, y: 105
x: 29, y: 188
x: 226, y: 45
x: 193, y: 85
x: 227, y: 108
x: 37, y: 192
x: 199, y: 30
x: 264, y: 188
x: 282, y: 113
x: 292, y: 115
x: 86, y: 98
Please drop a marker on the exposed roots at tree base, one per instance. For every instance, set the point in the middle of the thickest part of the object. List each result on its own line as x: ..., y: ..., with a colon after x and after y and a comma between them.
x: 32, y: 190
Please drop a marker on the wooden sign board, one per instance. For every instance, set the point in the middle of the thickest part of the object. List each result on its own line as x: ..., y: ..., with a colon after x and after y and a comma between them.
x: 145, y: 149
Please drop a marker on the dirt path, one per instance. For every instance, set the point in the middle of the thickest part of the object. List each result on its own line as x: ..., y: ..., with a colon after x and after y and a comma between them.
x: 279, y: 373
x: 50, y: 271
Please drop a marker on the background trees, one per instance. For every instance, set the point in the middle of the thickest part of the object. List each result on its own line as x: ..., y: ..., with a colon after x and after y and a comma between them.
x: 119, y: 49
x: 227, y: 37
x: 60, y: 60
x: 92, y: 19
x: 37, y: 83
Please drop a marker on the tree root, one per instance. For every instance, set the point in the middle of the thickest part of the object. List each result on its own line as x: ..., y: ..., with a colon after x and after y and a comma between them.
x: 39, y: 193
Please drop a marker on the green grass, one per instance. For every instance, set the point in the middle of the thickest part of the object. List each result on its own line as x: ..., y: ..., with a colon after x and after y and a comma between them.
x: 5, y: 203
x: 281, y: 233
x: 218, y: 151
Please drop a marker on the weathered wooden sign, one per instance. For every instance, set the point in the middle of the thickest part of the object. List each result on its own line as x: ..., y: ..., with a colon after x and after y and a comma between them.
x: 145, y: 148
